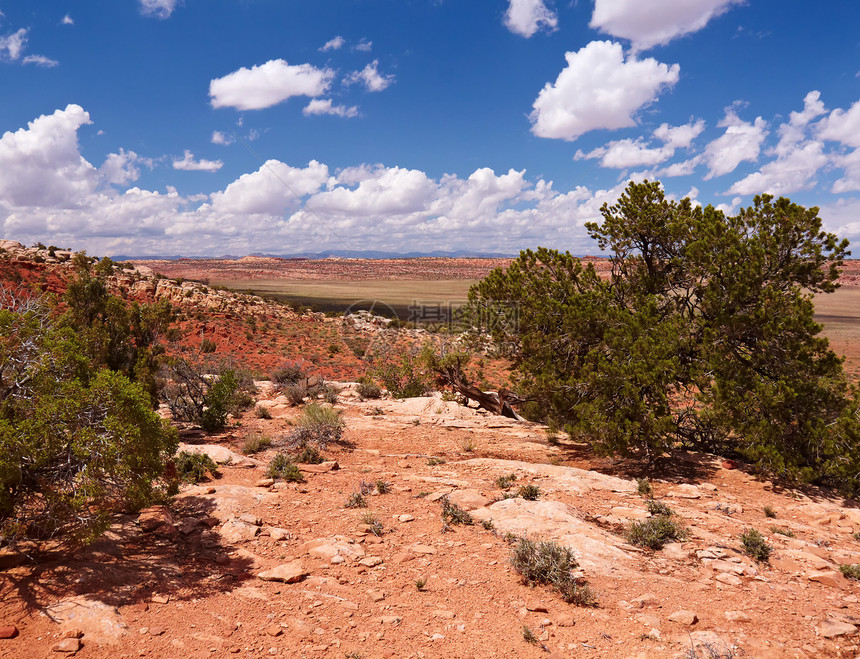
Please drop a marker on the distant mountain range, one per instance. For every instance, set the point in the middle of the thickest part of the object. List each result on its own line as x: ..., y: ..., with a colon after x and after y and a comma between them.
x: 343, y: 254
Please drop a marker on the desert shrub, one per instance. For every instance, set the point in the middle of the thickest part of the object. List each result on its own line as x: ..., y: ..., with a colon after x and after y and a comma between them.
x: 655, y: 532
x: 383, y: 487
x: 504, y: 482
x: 309, y: 455
x: 788, y: 533
x: 703, y: 335
x: 256, y: 443
x: 207, y: 346
x: 262, y: 412
x: 548, y: 563
x: 295, y: 392
x: 374, y: 525
x: 355, y: 500
x: 403, y: 377
x: 317, y: 425
x: 754, y: 545
x: 78, y: 441
x: 330, y: 393
x: 769, y: 511
x: 453, y: 514
x: 529, y: 492
x: 643, y: 487
x: 434, y: 461
x: 281, y: 466
x: 367, y: 388
x: 194, y: 467
x: 218, y: 401
x: 529, y: 636
x: 290, y: 373
x: 656, y: 507
x: 851, y: 571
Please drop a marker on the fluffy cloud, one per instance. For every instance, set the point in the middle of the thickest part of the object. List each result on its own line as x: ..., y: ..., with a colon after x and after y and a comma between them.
x: 656, y: 22
x: 223, y: 139
x: 121, y: 168
x: 189, y: 164
x: 271, y: 190
x: 622, y: 154
x: 333, y: 44
x: 158, y: 8
x: 268, y: 84
x: 42, y: 165
x: 525, y: 17
x: 679, y: 137
x: 12, y: 45
x: 850, y: 164
x: 741, y: 142
x: 371, y: 78
x: 842, y: 126
x: 67, y: 20
x: 792, y: 171
x: 598, y: 89
x: 324, y: 106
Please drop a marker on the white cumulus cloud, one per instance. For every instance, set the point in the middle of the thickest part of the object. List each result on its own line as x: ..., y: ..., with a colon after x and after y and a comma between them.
x: 67, y: 20
x: 158, y: 8
x: 622, y: 154
x: 189, y: 164
x: 655, y: 22
x: 371, y: 78
x: 325, y: 106
x: 271, y: 190
x: 525, y: 17
x: 741, y: 142
x: 842, y: 126
x: 121, y: 168
x: 333, y: 44
x: 268, y: 84
x: 598, y: 89
x: 679, y: 137
x: 223, y: 139
x: 794, y: 170
x: 12, y: 45
x: 850, y: 164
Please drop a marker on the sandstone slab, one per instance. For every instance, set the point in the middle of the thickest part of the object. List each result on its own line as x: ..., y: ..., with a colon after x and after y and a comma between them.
x: 291, y: 572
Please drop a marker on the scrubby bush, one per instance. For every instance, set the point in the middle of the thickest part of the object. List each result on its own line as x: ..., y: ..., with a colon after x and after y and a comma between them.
x: 755, y: 546
x: 529, y: 492
x: 355, y: 500
x: 318, y: 425
x: 309, y: 455
x: 655, y: 532
x: 367, y: 388
x: 78, y: 440
x: 262, y: 412
x: 404, y: 377
x: 656, y: 507
x: 281, y: 466
x: 194, y: 467
x: 453, y: 514
x: 194, y: 393
x: 289, y: 373
x: 206, y: 345
x: 548, y: 563
x: 504, y: 482
x: 643, y: 487
x: 256, y: 443
x: 295, y: 392
x: 330, y: 393
x: 851, y: 571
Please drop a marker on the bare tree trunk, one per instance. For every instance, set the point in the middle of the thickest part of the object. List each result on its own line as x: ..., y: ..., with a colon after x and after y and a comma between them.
x: 498, y: 403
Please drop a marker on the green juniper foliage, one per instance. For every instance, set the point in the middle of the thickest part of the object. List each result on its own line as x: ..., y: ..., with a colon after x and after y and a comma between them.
x: 702, y: 336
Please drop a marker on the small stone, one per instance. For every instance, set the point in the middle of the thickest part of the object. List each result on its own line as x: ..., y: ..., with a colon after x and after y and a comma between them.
x: 685, y: 491
x: 376, y: 595
x: 157, y: 631
x: 646, y: 600
x: 437, y: 637
x: 536, y: 606
x: 337, y: 560
x: 654, y: 634
x: 390, y: 620
x: 684, y: 617
x: 8, y: 631
x: 830, y: 578
x: 158, y: 598
x: 253, y: 520
x: 564, y: 620
x: 728, y: 579
x: 648, y: 620
x: 278, y: 534
x: 736, y: 616
x: 274, y: 630
x: 265, y: 482
x: 68, y: 645
x: 406, y: 518
x: 287, y: 573
x: 73, y: 632
x: 831, y: 628
x: 423, y: 549
x: 371, y: 561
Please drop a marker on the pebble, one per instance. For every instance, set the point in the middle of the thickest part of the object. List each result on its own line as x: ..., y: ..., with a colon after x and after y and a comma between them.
x: 736, y: 616
x: 376, y: 595
x: 684, y: 617
x: 371, y: 561
x: 68, y: 645
x: 831, y: 628
x: 728, y: 579
x: 406, y: 518
x: 8, y: 631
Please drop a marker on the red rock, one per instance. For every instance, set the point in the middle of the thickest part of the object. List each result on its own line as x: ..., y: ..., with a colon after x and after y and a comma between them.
x: 8, y: 631
x: 68, y: 645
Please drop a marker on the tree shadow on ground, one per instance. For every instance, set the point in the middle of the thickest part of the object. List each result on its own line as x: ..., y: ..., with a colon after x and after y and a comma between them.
x: 128, y: 566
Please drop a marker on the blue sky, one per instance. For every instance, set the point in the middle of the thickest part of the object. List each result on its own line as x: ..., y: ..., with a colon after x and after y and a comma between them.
x: 208, y: 127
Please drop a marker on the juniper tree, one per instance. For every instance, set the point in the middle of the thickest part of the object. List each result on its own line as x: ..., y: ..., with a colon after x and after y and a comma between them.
x: 702, y: 335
